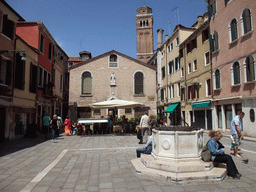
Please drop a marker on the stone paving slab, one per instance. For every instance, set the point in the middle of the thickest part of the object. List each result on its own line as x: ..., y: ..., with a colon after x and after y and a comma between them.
x: 93, y: 163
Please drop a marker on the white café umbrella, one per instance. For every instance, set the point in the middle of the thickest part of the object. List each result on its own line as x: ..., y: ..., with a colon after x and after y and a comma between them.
x: 116, y: 104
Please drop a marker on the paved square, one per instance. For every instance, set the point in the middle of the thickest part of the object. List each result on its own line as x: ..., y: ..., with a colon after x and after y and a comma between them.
x: 93, y: 163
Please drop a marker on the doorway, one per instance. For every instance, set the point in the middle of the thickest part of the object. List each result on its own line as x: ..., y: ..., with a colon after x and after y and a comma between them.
x: 200, y: 118
x: 113, y: 112
x: 2, y: 123
x: 228, y: 114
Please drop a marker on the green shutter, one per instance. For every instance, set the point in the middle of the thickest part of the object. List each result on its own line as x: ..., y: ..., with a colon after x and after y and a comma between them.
x: 211, y: 43
x: 214, y: 7
x: 217, y: 79
x: 209, y: 11
x: 215, y: 41
x: 176, y: 63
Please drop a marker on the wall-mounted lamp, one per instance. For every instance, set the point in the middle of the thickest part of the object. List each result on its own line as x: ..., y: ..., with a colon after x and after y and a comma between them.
x: 23, y: 57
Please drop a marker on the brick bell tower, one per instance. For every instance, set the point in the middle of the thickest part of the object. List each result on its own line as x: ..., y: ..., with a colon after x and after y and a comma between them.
x: 144, y: 30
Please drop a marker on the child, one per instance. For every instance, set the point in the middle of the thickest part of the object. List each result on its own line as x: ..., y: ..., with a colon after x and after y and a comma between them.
x: 232, y: 144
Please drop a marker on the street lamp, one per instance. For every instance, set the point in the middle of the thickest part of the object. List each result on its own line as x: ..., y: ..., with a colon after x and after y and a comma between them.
x: 23, y: 58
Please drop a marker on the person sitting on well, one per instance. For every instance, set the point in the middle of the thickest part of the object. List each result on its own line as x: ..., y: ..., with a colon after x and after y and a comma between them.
x: 218, y: 154
x: 148, y: 147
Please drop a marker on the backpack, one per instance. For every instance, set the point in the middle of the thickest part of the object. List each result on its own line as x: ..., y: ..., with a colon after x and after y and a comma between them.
x: 206, y: 154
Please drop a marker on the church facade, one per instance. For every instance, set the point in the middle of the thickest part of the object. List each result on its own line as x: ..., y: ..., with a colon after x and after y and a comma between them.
x: 114, y: 75
x: 109, y: 76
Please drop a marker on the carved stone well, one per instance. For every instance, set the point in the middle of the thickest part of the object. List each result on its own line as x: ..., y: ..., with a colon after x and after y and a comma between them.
x: 176, y: 156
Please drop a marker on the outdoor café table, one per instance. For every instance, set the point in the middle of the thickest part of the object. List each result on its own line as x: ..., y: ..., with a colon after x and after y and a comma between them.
x: 118, y: 128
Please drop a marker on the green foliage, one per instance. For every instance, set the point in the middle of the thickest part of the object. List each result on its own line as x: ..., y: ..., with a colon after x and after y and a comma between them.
x: 157, y: 117
x: 131, y: 120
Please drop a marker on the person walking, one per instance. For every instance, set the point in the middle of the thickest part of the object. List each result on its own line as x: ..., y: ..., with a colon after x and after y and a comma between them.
x: 60, y: 124
x: 73, y: 127
x: 218, y: 154
x: 55, y: 126
x: 153, y: 122
x: 144, y: 122
x: 164, y: 120
x: 67, y: 125
x: 46, y: 125
x: 236, y: 133
x: 110, y: 125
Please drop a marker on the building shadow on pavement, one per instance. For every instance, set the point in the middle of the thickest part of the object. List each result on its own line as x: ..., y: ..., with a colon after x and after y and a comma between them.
x: 9, y: 147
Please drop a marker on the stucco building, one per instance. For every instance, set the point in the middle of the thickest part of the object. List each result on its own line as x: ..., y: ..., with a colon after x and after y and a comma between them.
x: 111, y: 75
x: 24, y: 96
x: 169, y: 73
x: 196, y: 89
x: 233, y: 61
x: 52, y: 69
x: 8, y: 20
x: 84, y: 55
x: 60, y: 80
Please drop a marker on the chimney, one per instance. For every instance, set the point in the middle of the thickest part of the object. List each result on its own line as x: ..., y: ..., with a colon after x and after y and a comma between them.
x: 200, y: 20
x: 166, y: 37
x: 160, y: 37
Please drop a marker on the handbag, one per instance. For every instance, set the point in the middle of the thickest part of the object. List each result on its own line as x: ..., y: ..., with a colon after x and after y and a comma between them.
x: 206, y: 154
x: 220, y: 145
x: 139, y: 135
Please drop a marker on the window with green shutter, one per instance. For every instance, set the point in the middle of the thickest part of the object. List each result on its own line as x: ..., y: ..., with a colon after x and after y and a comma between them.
x: 217, y: 79
x: 163, y: 72
x: 177, y: 63
x: 211, y: 43
x: 212, y: 9
x: 250, y: 71
x: 171, y: 67
x: 215, y: 40
x: 162, y: 94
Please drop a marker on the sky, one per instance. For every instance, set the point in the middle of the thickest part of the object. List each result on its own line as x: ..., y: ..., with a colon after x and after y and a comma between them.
x: 99, y: 26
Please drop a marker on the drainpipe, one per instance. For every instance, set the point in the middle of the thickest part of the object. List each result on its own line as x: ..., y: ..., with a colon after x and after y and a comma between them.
x: 13, y: 66
x: 210, y: 55
x: 36, y: 102
x: 166, y: 64
x: 185, y: 83
x: 185, y: 75
x: 11, y: 125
